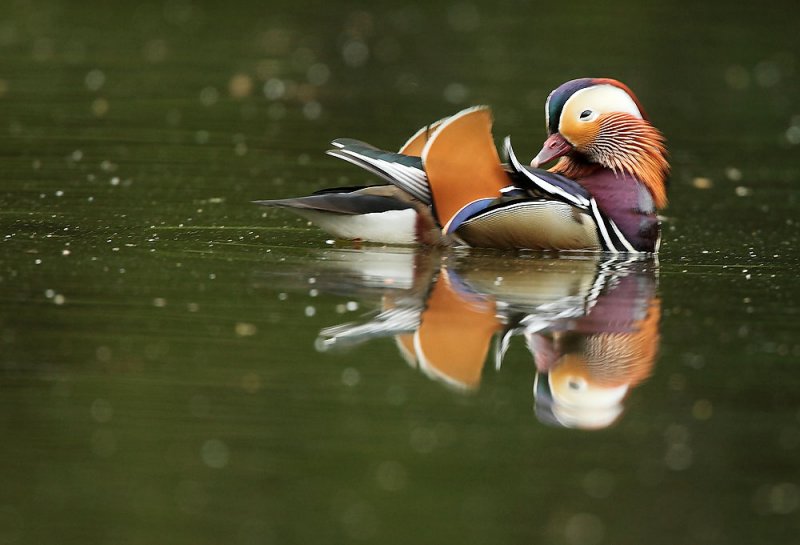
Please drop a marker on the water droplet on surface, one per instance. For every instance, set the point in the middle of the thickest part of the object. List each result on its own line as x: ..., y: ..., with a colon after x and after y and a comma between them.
x: 42, y: 50
x: 355, y: 53
x: 215, y: 454
x: 702, y: 183
x: 244, y: 329
x: 737, y: 77
x: 455, y: 93
x: 391, y: 476
x: 274, y: 89
x: 702, y: 409
x: 240, y: 86
x: 599, y: 483
x: 396, y: 395
x: 350, y: 376
x: 584, y: 529
x: 312, y: 110
x: 100, y: 107
x: 733, y: 174
x: 251, y: 382
x: 102, y: 411
x: 209, y: 96
x: 95, y: 80
x: 318, y: 74
x: 360, y: 521
x: 423, y: 440
x: 201, y: 137
x: 155, y: 51
x: 103, y: 354
x: 767, y: 73
x: 463, y: 17
x: 679, y: 457
x: 779, y: 499
x: 793, y: 134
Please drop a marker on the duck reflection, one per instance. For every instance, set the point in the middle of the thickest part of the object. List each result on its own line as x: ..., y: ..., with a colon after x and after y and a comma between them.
x: 587, y: 364
x: 591, y: 323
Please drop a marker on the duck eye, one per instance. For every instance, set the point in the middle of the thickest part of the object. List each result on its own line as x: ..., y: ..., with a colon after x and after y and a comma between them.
x: 586, y: 114
x: 575, y: 384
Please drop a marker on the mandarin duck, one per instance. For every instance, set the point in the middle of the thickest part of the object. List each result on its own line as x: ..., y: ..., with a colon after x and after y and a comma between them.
x: 586, y: 366
x: 448, y: 186
x: 591, y: 324
x: 466, y: 304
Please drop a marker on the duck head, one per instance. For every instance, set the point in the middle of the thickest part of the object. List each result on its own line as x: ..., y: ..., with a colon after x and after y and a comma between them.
x: 597, y: 123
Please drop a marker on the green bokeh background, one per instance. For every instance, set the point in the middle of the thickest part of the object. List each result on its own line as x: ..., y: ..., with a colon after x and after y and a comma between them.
x: 136, y: 408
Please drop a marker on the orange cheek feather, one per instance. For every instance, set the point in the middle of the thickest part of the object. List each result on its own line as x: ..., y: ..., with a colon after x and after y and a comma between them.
x: 579, y: 133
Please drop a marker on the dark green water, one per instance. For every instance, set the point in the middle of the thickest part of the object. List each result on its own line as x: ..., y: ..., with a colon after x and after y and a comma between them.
x: 159, y: 381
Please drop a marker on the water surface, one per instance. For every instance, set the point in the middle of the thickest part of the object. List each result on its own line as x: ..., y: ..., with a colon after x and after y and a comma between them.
x: 162, y: 370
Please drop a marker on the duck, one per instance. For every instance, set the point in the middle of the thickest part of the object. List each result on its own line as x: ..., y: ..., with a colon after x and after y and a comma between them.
x: 591, y: 323
x: 446, y: 186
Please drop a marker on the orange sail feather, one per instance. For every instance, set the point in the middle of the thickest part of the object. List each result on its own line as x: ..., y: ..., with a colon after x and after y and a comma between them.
x: 462, y: 164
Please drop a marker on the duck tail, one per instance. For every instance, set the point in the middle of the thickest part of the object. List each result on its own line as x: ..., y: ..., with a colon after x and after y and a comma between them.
x: 403, y: 171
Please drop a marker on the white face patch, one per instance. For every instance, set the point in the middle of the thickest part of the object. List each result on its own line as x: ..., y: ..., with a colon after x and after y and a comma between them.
x: 587, y: 104
x: 547, y: 110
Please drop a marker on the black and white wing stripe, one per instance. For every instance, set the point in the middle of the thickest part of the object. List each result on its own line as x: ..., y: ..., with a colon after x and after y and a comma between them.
x: 395, y: 321
x: 403, y: 171
x: 569, y: 191
x: 556, y: 185
x: 610, y: 236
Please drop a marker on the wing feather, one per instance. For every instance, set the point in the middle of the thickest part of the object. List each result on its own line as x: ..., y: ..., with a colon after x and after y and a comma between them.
x: 461, y: 162
x: 416, y: 143
x: 554, y: 185
x: 403, y: 171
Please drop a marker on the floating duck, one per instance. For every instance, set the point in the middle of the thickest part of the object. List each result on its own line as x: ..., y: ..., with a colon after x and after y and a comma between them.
x: 591, y: 322
x: 447, y: 185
